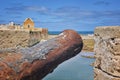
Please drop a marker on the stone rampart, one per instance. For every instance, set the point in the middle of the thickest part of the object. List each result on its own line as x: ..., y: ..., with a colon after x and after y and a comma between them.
x: 22, y: 38
x: 107, y: 52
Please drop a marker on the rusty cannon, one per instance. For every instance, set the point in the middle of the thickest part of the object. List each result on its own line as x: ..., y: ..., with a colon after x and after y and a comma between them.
x: 36, y: 62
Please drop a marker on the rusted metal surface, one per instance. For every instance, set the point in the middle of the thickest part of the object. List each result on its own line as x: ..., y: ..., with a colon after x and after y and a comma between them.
x: 36, y: 62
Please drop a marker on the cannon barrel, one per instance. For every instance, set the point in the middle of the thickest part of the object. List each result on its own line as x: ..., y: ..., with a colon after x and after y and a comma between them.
x: 36, y: 62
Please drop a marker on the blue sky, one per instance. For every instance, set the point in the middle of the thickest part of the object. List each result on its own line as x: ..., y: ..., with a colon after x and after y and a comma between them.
x: 57, y: 15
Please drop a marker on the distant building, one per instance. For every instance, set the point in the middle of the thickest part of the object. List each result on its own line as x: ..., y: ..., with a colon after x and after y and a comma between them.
x: 28, y: 24
x: 26, y: 35
x: 11, y: 24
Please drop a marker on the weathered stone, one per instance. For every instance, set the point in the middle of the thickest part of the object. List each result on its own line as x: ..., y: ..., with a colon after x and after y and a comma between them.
x: 16, y: 38
x: 100, y: 75
x: 107, y: 51
x: 108, y: 32
x: 36, y: 62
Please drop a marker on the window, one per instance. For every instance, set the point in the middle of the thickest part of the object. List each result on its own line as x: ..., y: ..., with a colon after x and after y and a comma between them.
x: 28, y: 26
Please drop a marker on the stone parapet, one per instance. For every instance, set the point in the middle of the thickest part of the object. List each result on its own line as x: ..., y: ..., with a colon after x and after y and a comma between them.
x: 22, y: 38
x: 107, y: 52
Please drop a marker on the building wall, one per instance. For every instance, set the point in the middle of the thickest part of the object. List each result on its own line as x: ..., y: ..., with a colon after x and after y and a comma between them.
x: 107, y: 52
x: 28, y: 24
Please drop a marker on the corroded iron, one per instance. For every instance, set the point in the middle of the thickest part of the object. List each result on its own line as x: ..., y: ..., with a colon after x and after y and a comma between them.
x: 36, y: 62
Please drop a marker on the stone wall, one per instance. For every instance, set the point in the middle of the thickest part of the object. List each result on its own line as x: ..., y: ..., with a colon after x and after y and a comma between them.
x: 44, y: 33
x: 107, y: 52
x: 15, y: 38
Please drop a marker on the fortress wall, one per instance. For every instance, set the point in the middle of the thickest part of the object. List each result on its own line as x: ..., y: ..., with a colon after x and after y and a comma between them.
x: 14, y: 38
x: 44, y: 33
x: 35, y: 37
x: 107, y: 52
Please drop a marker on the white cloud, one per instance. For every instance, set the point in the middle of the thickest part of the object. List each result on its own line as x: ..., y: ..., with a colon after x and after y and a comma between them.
x: 37, y: 8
